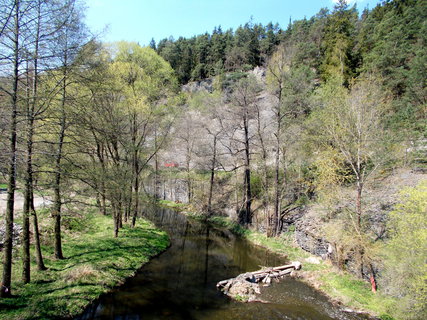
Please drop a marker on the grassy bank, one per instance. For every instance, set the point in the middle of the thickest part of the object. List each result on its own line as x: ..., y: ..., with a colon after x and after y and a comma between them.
x: 340, y: 287
x: 95, y: 262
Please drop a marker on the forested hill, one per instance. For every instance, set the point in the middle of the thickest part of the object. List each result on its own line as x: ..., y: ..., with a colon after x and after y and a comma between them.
x: 389, y: 41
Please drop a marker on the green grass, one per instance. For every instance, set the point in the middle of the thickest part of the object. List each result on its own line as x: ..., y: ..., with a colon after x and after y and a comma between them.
x: 173, y: 205
x: 3, y: 186
x: 356, y: 293
x: 95, y: 262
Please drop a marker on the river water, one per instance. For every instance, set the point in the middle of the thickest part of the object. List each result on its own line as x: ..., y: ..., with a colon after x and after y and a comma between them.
x: 181, y: 282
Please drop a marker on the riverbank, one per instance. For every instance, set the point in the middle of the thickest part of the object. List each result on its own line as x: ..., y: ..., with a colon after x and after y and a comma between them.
x: 95, y: 263
x: 343, y: 289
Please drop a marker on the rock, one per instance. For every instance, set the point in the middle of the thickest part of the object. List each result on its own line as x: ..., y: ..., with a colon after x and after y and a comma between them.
x: 17, y: 230
x: 313, y: 260
x: 297, y: 265
x: 294, y: 274
x: 197, y: 86
x: 308, y: 238
x: 243, y: 290
x: 259, y: 73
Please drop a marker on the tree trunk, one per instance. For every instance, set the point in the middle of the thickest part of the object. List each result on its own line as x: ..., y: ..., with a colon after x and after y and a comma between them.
x: 136, y: 172
x: 277, y: 195
x: 156, y: 169
x: 359, y: 204
x: 359, y: 223
x: 212, y: 179
x: 25, y: 236
x: 57, y: 202
x: 115, y: 219
x: 26, y: 215
x: 100, y: 155
x: 39, y: 256
x: 29, y: 192
x: 265, y: 182
x: 5, y: 290
x: 247, y: 218
x: 136, y: 205
x: 120, y: 213
x: 189, y: 182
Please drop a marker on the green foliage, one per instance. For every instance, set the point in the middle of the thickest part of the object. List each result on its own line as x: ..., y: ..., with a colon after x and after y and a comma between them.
x: 142, y: 71
x: 95, y: 263
x: 338, y: 43
x: 172, y: 204
x: 405, y: 269
x: 241, y: 298
x: 208, y: 55
x: 256, y: 185
x: 393, y: 41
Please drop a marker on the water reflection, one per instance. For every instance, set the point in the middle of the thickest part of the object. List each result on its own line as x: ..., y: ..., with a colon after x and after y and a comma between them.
x: 180, y: 283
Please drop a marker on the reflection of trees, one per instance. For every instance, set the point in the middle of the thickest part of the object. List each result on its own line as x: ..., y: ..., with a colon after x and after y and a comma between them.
x: 209, y: 248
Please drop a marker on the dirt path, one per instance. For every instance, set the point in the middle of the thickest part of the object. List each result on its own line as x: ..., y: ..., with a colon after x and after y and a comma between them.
x: 39, y: 201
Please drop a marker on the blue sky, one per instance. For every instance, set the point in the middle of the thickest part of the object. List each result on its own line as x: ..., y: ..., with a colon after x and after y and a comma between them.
x: 141, y: 20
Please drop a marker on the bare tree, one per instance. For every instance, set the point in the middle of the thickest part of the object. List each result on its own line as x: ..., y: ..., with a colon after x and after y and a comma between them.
x: 244, y: 98
x: 351, y: 119
x: 11, y: 38
x: 291, y: 85
x: 70, y: 38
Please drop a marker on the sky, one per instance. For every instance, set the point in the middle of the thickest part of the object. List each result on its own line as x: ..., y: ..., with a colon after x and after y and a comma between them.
x: 142, y: 20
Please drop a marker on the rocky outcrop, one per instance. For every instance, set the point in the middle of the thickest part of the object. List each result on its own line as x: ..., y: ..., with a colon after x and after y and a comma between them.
x: 197, y: 86
x: 379, y: 199
x: 259, y: 73
x: 308, y: 237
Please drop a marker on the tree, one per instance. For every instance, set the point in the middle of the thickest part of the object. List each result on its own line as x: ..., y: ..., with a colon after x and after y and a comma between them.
x: 291, y: 85
x: 244, y: 98
x: 43, y: 29
x: 147, y: 82
x: 11, y: 38
x: 338, y: 59
x: 214, y: 128
x: 392, y: 42
x: 351, y: 123
x: 69, y: 40
x: 185, y: 137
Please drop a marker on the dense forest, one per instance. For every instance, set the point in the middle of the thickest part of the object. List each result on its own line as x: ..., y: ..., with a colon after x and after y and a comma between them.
x: 257, y: 124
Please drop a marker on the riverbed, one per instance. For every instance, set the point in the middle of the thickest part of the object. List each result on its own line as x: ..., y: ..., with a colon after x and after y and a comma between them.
x: 181, y: 282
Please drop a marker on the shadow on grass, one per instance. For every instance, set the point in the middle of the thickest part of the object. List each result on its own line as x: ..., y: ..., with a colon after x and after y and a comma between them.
x: 11, y: 304
x: 42, y: 281
x: 69, y: 287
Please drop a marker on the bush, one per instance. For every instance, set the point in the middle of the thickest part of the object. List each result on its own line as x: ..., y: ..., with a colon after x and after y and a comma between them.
x: 405, y: 270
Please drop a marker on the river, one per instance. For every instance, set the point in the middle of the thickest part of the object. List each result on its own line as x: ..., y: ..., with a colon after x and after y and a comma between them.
x: 180, y: 283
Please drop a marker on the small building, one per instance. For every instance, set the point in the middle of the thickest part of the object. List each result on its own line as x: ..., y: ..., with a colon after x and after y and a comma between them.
x: 171, y: 164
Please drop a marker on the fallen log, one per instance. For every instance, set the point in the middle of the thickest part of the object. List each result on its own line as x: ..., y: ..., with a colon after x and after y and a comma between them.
x: 260, y: 275
x: 245, y: 286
